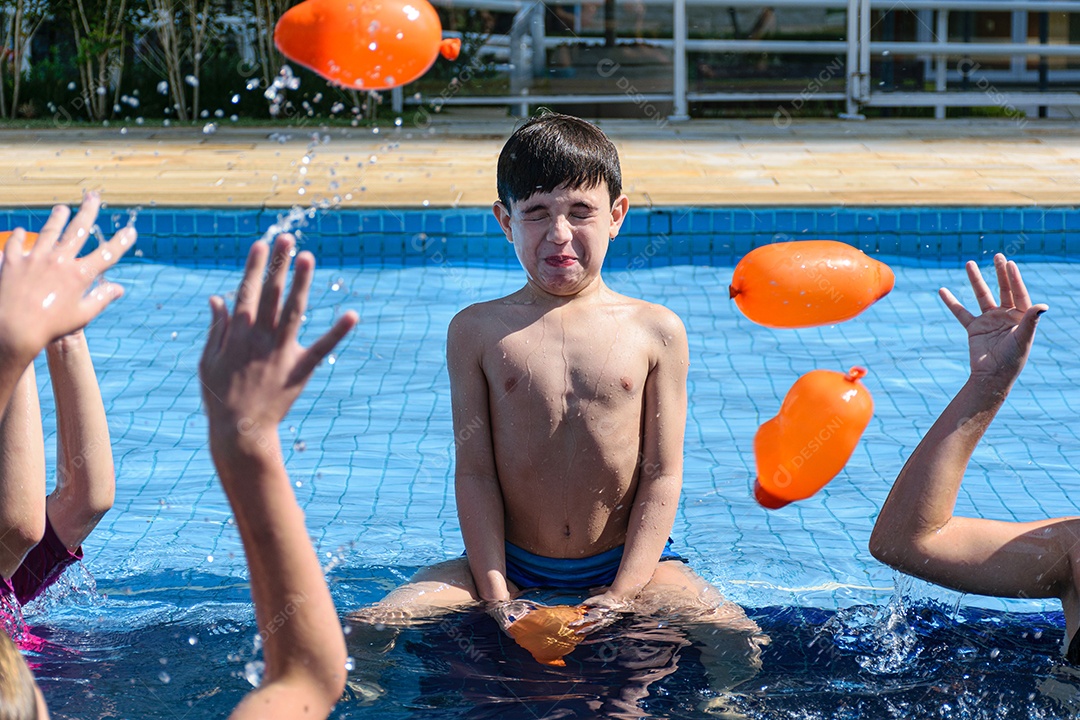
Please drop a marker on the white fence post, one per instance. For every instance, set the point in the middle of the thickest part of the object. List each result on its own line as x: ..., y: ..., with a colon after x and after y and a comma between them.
x: 681, y: 110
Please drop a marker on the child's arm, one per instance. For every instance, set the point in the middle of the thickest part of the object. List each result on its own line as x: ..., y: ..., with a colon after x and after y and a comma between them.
x: 22, y: 475
x: 916, y: 531
x: 85, y: 480
x: 252, y: 370
x: 43, y: 295
x: 660, y: 474
x: 479, y: 497
x: 46, y: 293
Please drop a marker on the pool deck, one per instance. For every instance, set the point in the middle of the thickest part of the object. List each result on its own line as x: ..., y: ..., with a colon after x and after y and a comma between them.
x: 452, y: 164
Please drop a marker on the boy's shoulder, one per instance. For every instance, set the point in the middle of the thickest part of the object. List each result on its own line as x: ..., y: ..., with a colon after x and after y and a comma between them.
x: 653, y: 316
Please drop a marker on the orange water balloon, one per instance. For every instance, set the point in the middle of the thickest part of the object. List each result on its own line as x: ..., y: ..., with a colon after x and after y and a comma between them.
x: 364, y: 44
x: 28, y: 242
x: 807, y: 283
x: 546, y: 633
x: 813, y: 436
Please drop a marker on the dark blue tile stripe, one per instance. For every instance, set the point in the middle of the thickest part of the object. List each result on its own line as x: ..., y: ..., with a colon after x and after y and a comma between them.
x: 650, y: 237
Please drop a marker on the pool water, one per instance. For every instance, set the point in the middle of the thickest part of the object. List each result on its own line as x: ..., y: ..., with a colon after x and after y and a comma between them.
x: 164, y: 627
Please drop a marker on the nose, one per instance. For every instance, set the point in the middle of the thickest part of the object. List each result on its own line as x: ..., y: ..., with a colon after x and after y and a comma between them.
x: 561, y: 231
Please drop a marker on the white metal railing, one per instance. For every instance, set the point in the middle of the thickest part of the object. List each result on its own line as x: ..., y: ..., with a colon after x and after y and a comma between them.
x: 524, y: 48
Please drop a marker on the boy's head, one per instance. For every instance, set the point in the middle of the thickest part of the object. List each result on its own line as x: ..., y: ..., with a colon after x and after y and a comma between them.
x: 552, y: 150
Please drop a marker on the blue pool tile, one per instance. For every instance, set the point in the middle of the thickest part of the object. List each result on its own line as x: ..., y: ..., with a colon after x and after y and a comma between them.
x: 1033, y: 219
x: 1054, y: 243
x: 1054, y: 221
x: 889, y: 244
x: 433, y: 222
x: 909, y: 244
x: 393, y: 223
x: 971, y: 244
x: 355, y: 223
x: 701, y: 244
x: 888, y: 222
x: 227, y: 224
x: 724, y: 220
x: 867, y: 223
x: 741, y: 221
x: 825, y: 227
x: 413, y: 222
x: 184, y: 223
x: 474, y: 224
x: 805, y: 222
x: 454, y: 224
x: 846, y: 222
x: 659, y: 223
x: 909, y: 222
x: 636, y: 223
x: 1012, y: 221
x: 246, y: 225
x: 680, y: 221
x: 929, y: 222
x: 949, y: 221
x: 764, y: 220
x: 784, y: 221
x: 742, y: 244
x: 164, y: 223
x: 701, y: 221
x: 1072, y: 219
x: 972, y: 221
x: 205, y: 224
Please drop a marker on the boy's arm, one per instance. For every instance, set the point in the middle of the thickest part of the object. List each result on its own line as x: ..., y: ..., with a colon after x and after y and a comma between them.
x: 85, y: 479
x: 660, y: 473
x: 476, y: 482
x: 916, y: 531
x: 22, y: 475
x: 252, y: 371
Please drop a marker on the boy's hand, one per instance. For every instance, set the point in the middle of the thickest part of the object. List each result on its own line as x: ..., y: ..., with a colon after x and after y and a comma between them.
x: 253, y: 367
x: 43, y: 293
x: 1000, y: 338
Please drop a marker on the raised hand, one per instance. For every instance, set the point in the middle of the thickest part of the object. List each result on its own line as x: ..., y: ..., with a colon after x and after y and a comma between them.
x: 253, y: 367
x: 46, y: 293
x: 1000, y: 338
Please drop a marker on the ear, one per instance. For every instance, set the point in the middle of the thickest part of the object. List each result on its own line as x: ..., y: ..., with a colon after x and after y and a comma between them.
x: 502, y: 214
x: 618, y: 214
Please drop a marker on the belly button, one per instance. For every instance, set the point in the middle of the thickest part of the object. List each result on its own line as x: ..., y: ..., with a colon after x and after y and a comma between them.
x: 566, y: 531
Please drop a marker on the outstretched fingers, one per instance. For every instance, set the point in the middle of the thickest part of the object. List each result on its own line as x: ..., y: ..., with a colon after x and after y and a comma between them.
x: 274, y: 285
x: 1005, y: 289
x: 322, y: 347
x: 1021, y: 298
x: 983, y: 295
x: 292, y: 315
x: 78, y: 230
x: 250, y: 290
x: 219, y: 325
x: 107, y: 254
x: 956, y: 307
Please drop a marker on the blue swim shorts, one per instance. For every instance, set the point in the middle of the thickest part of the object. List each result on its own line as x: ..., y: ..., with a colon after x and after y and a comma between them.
x: 534, y: 571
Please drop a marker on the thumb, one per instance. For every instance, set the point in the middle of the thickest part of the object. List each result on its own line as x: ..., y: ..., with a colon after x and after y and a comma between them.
x: 1025, y: 331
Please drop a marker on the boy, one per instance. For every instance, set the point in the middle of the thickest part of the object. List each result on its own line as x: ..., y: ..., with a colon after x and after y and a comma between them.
x: 41, y: 537
x: 569, y: 408
x: 916, y: 531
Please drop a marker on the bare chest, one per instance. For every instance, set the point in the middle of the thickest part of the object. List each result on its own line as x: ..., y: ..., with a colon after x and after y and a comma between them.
x: 563, y: 371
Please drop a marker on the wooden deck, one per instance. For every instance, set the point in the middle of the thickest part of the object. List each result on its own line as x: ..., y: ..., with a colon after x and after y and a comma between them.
x: 725, y: 163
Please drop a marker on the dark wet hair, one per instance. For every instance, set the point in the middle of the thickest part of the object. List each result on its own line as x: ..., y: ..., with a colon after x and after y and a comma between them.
x: 551, y: 150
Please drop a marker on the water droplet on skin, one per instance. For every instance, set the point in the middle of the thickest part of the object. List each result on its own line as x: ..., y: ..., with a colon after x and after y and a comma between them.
x: 48, y: 301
